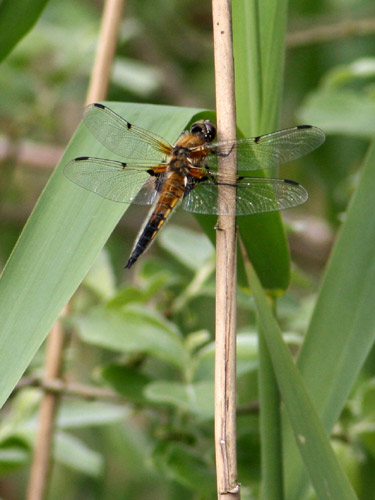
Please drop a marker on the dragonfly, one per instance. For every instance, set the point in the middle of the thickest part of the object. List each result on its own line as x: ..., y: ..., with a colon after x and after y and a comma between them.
x: 155, y: 172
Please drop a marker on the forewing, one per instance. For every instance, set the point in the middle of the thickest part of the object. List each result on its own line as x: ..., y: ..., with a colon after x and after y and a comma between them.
x: 270, y: 150
x: 253, y: 195
x: 123, y: 138
x: 113, y: 180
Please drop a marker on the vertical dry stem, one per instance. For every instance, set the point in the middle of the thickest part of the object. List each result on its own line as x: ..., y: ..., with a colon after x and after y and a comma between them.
x: 105, y: 51
x: 225, y: 359
x: 41, y: 464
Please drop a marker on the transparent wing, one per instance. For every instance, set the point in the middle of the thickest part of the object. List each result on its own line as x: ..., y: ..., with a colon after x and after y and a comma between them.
x: 267, y: 151
x: 123, y: 138
x: 253, y: 195
x: 114, y: 180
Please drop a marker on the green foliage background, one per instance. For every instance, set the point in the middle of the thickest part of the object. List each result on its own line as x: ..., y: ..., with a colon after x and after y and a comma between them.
x: 148, y: 335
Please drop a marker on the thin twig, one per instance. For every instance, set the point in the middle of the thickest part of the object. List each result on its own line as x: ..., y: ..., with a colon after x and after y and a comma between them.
x: 89, y: 392
x: 331, y: 32
x: 41, y: 463
x: 225, y: 357
x: 29, y: 153
x: 59, y: 386
x: 105, y: 51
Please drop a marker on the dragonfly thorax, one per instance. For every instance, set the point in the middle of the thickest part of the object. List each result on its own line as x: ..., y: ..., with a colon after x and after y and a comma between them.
x: 181, y: 160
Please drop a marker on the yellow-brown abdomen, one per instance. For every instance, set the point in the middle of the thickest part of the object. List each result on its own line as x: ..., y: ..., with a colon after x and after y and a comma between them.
x: 171, y: 193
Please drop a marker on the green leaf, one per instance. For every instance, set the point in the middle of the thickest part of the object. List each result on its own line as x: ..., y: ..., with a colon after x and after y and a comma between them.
x: 341, y: 330
x: 77, y: 414
x: 190, y: 248
x: 13, y: 456
x: 195, y: 398
x: 126, y: 380
x: 73, y: 453
x: 133, y: 330
x: 183, y: 464
x: 72, y: 414
x: 325, y: 472
x: 59, y: 244
x: 100, y: 279
x: 17, y: 17
x: 258, y: 38
x: 345, y: 112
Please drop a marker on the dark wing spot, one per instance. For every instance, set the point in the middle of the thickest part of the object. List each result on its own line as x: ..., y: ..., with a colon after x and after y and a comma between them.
x: 304, y: 126
x: 256, y: 139
x: 129, y: 125
x: 98, y: 105
x: 288, y: 181
x: 123, y: 164
x: 82, y: 158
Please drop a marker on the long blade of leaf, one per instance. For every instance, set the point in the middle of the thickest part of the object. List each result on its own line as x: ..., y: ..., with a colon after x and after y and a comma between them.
x: 325, y: 472
x: 341, y: 330
x: 259, y: 32
x: 17, y: 17
x: 258, y: 40
x: 59, y: 243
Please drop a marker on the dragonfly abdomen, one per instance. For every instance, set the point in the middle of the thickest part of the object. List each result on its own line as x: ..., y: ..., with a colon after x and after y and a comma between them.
x: 171, y: 193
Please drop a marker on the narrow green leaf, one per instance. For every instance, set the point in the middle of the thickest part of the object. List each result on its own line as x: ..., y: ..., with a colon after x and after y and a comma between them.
x: 259, y: 35
x: 341, y: 331
x: 326, y: 474
x: 258, y: 39
x: 60, y: 242
x: 17, y: 17
x: 270, y: 427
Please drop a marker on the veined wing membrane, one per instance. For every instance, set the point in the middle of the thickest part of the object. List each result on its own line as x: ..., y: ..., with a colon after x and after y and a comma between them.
x: 113, y: 180
x: 254, y: 195
x: 123, y: 138
x: 267, y: 151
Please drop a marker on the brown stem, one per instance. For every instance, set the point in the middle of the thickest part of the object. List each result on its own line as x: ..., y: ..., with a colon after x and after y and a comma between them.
x: 31, y: 154
x: 225, y: 357
x: 60, y: 387
x: 41, y: 463
x: 331, y: 32
x: 105, y: 51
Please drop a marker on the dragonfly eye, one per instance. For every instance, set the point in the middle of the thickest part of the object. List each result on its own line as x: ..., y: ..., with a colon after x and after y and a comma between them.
x: 205, y: 128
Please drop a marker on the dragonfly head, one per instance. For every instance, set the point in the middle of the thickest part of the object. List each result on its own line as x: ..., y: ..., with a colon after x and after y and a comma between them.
x: 205, y: 129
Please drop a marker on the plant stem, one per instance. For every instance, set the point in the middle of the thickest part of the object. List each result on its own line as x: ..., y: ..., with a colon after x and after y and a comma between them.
x: 105, y: 51
x: 225, y: 357
x: 62, y: 388
x: 41, y: 463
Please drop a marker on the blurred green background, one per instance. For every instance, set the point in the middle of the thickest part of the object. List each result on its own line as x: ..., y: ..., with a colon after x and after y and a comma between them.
x: 158, y: 437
